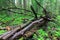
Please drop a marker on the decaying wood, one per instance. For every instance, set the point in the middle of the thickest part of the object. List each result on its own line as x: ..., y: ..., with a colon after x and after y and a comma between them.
x: 12, y: 31
x: 26, y: 31
x: 5, y: 34
x: 27, y: 28
x: 8, y: 34
x: 29, y: 33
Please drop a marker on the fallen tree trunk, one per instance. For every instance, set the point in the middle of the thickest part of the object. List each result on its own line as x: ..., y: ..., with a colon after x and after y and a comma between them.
x: 5, y: 34
x: 27, y: 28
x: 26, y: 31
x: 8, y: 34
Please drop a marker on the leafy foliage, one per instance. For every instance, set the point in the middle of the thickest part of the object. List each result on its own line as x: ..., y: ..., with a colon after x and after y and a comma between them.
x: 50, y: 5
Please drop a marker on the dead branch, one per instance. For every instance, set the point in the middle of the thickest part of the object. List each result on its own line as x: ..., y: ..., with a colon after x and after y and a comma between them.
x: 14, y: 8
x: 9, y: 9
x: 26, y: 31
x: 34, y: 12
x: 29, y: 27
x: 8, y: 34
x: 14, y: 30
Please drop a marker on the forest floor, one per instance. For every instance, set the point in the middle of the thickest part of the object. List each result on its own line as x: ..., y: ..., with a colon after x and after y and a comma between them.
x: 50, y: 33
